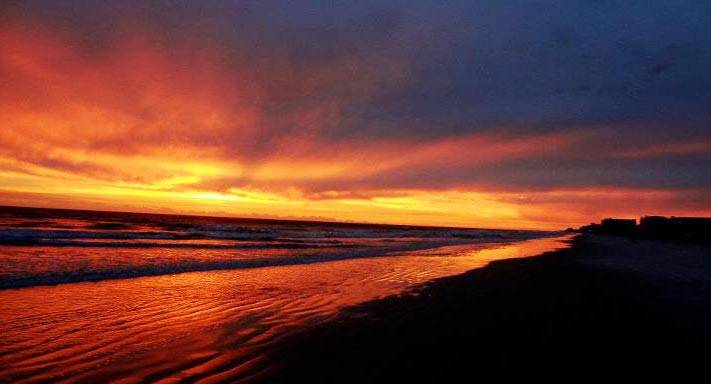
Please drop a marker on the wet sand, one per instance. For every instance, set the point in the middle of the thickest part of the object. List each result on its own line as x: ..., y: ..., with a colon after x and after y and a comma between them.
x: 606, y: 309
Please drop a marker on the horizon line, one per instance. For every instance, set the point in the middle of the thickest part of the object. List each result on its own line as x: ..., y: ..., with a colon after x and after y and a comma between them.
x: 275, y: 220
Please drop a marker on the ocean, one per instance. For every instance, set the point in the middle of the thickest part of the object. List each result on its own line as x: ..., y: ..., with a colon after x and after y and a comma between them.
x: 91, y: 296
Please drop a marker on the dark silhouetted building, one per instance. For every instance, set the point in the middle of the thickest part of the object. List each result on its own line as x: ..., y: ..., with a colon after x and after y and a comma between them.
x: 618, y: 226
x: 655, y: 226
x: 692, y: 228
x: 659, y: 227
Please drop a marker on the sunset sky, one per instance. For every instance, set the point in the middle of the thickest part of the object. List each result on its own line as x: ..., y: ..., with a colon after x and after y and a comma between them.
x: 502, y: 114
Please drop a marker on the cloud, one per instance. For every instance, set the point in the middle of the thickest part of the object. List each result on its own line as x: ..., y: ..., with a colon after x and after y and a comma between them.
x: 336, y: 100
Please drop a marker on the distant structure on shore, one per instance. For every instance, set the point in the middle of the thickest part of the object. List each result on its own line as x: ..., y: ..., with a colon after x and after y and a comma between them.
x: 686, y: 228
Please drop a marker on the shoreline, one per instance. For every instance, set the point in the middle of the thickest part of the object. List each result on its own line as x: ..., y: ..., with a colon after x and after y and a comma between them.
x: 212, y: 325
x: 158, y: 270
x: 607, y: 308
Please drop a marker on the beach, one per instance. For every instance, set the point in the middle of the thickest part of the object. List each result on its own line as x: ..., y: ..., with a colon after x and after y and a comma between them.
x: 97, y: 297
x: 350, y: 304
x: 606, y: 309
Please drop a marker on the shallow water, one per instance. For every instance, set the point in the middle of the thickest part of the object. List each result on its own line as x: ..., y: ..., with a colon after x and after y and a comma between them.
x: 45, y: 247
x: 204, y: 326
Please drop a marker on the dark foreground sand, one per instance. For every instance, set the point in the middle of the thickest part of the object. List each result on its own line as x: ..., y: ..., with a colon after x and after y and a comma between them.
x: 607, y: 309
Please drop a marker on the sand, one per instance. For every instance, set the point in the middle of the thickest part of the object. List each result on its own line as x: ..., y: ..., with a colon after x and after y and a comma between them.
x: 607, y: 309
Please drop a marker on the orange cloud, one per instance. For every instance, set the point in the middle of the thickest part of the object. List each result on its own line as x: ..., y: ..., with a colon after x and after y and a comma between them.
x: 187, y: 126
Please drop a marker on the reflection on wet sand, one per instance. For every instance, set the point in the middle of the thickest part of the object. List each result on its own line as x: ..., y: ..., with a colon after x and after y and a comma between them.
x: 203, y: 326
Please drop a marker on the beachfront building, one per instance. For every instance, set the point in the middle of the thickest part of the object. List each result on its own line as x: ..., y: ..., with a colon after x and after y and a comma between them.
x: 696, y: 228
x: 619, y: 226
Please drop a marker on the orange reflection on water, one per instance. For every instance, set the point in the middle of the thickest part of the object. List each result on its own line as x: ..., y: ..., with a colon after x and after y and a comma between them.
x: 203, y: 325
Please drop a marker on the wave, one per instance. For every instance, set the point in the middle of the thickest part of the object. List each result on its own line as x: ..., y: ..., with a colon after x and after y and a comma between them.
x: 17, y: 234
x: 46, y: 247
x: 235, y: 239
x: 133, y: 271
x: 175, y: 245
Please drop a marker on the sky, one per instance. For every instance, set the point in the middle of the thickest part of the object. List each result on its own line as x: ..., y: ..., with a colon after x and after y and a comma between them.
x: 501, y: 114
